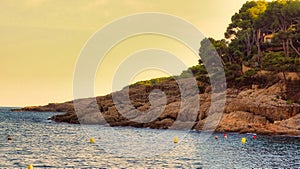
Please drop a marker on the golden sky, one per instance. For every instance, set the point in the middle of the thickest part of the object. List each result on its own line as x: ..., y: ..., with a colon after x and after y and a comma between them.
x: 40, y: 41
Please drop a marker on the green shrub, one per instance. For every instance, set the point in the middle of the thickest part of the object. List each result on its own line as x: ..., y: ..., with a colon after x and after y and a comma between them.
x: 289, y: 101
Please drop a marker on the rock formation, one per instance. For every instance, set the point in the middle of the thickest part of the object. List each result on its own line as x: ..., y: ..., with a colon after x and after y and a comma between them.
x: 249, y: 110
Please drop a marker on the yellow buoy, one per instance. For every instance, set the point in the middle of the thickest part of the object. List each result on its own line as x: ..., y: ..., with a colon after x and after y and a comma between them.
x: 92, y: 140
x: 30, y: 166
x: 175, y: 139
x: 244, y: 140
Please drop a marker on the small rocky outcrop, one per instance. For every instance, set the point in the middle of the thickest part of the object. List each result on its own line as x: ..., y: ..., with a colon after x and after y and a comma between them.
x: 51, y: 107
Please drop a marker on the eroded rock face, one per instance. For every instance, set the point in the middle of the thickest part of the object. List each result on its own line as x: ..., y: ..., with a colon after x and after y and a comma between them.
x: 262, y: 111
x: 291, y: 123
x: 265, y: 102
x: 239, y: 120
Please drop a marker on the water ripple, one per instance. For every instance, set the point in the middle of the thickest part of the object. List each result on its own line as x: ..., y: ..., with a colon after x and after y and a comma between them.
x: 61, y: 145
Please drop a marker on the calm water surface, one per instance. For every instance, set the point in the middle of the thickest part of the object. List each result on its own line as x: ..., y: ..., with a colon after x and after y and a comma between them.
x: 47, y: 144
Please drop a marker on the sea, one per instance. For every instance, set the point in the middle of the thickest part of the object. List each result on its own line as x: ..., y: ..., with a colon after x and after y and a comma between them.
x: 43, y: 143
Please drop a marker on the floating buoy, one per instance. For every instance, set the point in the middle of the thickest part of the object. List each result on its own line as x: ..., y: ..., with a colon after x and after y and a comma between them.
x: 175, y: 139
x: 244, y: 140
x: 30, y: 166
x: 225, y: 135
x: 92, y: 140
x: 254, y: 136
x: 9, y: 137
x: 216, y: 137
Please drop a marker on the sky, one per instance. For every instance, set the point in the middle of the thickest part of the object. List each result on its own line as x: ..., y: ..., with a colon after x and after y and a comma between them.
x: 41, y: 40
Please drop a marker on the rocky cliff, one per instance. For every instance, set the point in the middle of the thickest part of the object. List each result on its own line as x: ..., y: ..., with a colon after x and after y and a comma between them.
x: 265, y: 110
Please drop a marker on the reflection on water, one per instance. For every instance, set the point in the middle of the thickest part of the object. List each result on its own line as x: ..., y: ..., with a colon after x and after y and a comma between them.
x: 60, y: 145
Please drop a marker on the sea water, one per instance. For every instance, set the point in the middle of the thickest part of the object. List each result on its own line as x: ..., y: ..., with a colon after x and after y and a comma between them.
x: 46, y: 144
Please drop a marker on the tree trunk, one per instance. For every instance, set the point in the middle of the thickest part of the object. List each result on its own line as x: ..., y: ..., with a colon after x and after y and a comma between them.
x: 259, y: 53
x: 222, y: 61
x: 230, y: 59
x: 287, y: 48
x: 248, y: 44
x: 284, y: 76
x: 284, y: 48
x: 292, y: 45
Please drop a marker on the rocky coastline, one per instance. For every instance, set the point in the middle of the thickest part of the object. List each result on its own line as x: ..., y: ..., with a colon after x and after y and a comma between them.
x: 271, y: 110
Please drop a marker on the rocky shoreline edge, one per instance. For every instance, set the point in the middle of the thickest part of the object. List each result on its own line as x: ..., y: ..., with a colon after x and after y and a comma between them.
x: 266, y: 111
